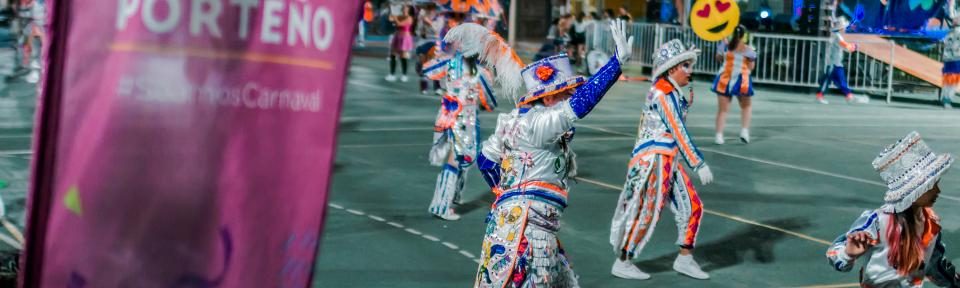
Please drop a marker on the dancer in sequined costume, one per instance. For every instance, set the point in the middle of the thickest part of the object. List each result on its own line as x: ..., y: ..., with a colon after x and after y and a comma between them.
x: 456, y: 130
x: 528, y: 160
x: 654, y: 176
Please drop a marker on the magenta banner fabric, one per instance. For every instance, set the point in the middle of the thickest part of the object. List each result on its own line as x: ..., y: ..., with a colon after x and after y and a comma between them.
x: 186, y: 143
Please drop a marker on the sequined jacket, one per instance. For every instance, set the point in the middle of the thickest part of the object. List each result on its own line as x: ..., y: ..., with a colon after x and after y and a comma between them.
x: 457, y: 115
x: 532, y: 145
x: 662, y: 129
x: 878, y: 272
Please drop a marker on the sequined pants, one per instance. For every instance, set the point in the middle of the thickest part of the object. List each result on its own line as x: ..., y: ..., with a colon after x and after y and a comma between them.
x: 651, y: 182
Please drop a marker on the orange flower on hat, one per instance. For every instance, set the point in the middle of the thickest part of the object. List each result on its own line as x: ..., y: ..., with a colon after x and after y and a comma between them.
x: 545, y: 72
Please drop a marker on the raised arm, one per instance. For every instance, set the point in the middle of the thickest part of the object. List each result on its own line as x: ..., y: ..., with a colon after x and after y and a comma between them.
x: 589, y: 94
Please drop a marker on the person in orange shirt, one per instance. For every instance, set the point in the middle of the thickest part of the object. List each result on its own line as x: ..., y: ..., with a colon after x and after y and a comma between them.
x: 367, y: 18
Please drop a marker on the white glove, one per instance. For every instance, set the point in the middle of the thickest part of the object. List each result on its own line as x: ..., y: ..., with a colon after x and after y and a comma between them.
x: 705, y: 175
x: 624, y: 45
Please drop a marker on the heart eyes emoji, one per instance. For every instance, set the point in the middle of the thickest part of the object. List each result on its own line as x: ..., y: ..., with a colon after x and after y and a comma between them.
x: 721, y: 7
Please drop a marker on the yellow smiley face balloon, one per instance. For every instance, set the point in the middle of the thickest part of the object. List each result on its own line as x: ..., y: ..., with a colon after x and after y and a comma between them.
x: 713, y: 20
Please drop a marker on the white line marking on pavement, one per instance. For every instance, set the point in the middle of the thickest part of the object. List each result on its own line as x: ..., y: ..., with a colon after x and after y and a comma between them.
x: 356, y: 212
x: 775, y: 163
x: 468, y: 254
x: 450, y: 245
x: 16, y: 152
x: 785, y: 165
x: 724, y: 215
x: 408, y: 230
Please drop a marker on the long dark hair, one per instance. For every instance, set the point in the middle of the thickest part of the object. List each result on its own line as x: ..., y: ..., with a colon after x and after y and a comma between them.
x: 471, y: 64
x: 906, y: 254
x: 737, y: 37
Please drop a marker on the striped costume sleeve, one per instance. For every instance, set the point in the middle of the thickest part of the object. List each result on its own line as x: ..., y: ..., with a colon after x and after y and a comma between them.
x: 668, y: 106
x: 436, y: 68
x: 869, y: 221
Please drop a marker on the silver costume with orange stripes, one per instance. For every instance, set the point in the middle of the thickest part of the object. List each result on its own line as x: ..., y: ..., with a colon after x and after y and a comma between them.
x: 654, y: 178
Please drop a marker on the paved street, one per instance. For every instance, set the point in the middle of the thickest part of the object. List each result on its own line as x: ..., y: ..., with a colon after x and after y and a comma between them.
x: 775, y: 205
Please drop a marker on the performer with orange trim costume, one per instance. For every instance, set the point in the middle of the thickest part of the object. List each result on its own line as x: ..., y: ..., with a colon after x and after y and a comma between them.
x: 528, y: 159
x: 951, y: 57
x: 901, y: 241
x: 654, y: 176
x: 835, y: 72
x: 734, y: 80
x: 457, y: 128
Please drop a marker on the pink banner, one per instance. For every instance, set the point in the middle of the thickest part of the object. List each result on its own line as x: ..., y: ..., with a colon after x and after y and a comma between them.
x: 186, y: 143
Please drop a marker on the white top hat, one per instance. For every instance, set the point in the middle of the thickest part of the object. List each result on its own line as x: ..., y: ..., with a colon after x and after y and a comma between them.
x: 549, y: 76
x: 670, y: 54
x: 910, y: 169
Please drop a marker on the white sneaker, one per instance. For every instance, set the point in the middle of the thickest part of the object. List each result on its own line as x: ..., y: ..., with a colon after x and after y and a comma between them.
x: 33, y: 77
x: 403, y: 78
x: 687, y: 266
x: 450, y: 216
x: 822, y: 101
x: 852, y: 99
x: 719, y: 139
x: 439, y: 91
x: 391, y: 78
x: 745, y: 136
x: 626, y: 270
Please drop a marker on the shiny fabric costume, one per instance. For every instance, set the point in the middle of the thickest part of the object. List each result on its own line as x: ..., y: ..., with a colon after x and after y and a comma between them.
x: 456, y: 130
x: 527, y: 163
x: 878, y: 271
x: 654, y: 177
x: 951, y: 57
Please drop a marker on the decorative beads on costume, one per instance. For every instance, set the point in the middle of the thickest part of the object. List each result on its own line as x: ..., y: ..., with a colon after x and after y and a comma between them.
x: 589, y: 94
x: 910, y: 168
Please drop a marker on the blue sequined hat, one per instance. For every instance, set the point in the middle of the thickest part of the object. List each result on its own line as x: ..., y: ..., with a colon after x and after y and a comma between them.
x: 910, y: 168
x: 549, y: 76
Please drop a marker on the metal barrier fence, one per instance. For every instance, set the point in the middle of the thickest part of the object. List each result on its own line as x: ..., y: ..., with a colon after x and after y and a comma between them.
x: 782, y: 59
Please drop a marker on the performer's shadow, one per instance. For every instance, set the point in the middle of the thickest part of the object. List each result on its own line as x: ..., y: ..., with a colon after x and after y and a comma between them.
x: 482, y: 202
x: 747, y: 242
